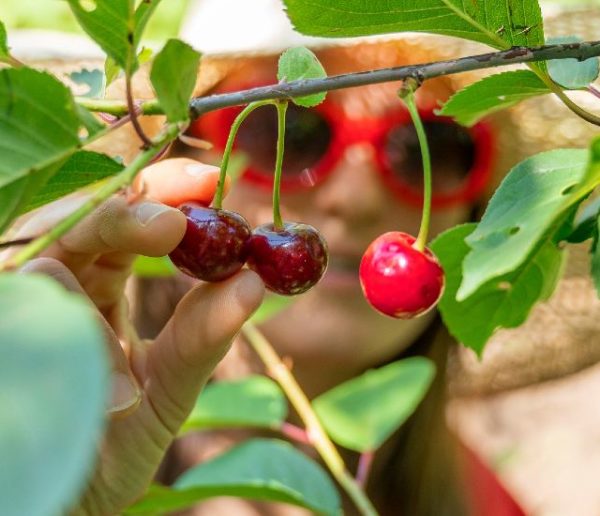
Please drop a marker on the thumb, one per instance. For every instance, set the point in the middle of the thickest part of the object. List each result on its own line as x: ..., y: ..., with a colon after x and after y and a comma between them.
x: 194, y: 340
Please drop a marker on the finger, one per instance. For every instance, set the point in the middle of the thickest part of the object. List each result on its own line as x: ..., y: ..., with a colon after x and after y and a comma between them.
x: 179, y: 180
x: 126, y: 394
x: 117, y: 228
x: 194, y: 340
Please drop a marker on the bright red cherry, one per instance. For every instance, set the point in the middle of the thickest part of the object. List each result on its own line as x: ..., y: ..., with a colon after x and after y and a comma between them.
x: 214, y: 246
x: 399, y: 280
x: 290, y: 260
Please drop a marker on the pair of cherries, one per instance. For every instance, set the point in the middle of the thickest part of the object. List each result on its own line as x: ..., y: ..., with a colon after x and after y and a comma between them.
x: 397, y: 279
x: 217, y: 243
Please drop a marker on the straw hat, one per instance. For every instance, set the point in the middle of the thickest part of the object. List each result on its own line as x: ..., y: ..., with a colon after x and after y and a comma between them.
x: 561, y: 335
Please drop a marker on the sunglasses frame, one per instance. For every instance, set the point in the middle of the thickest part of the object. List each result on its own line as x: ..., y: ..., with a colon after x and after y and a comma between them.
x: 345, y: 132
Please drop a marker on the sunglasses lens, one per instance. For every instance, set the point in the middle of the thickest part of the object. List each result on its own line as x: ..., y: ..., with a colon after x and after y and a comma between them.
x: 452, y: 155
x: 307, y: 139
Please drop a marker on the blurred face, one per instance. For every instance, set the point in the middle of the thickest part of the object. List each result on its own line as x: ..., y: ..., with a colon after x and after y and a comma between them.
x: 353, y: 170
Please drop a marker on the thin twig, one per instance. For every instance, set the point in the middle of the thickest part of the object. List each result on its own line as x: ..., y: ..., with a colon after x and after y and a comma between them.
x: 315, y: 432
x: 300, y: 88
x: 365, y: 461
x: 133, y: 113
x: 122, y: 179
x: 295, y: 433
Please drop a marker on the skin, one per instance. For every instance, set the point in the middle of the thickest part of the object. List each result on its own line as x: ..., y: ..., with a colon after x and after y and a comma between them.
x: 330, y: 333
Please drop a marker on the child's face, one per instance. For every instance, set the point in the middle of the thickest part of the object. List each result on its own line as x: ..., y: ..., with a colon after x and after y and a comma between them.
x: 350, y: 200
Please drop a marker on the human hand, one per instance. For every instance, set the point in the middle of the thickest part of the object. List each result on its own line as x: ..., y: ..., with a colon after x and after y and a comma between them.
x: 155, y: 384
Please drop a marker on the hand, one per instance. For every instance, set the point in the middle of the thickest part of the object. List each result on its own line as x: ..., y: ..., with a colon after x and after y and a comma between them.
x: 155, y: 384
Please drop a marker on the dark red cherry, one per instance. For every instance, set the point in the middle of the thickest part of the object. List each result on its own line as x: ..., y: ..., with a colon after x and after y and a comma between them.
x: 214, y: 246
x: 290, y: 260
x: 399, y: 280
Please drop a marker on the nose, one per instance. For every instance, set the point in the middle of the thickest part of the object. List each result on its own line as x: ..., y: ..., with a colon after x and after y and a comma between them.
x: 354, y: 190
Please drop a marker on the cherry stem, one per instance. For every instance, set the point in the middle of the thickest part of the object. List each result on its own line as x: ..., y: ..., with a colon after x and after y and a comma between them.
x: 218, y: 200
x: 409, y: 99
x: 314, y: 430
x: 593, y: 90
x: 365, y: 462
x: 281, y: 109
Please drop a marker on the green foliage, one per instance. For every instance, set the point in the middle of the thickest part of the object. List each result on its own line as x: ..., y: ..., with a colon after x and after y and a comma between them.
x: 571, y: 73
x: 81, y: 169
x: 111, y: 71
x: 497, y: 23
x: 110, y: 24
x: 4, y: 53
x: 255, y: 401
x: 492, y: 94
x: 300, y: 63
x: 527, y: 209
x: 150, y: 267
x: 173, y: 76
x: 53, y: 383
x: 586, y: 223
x: 259, y: 469
x: 38, y: 132
x: 362, y: 413
x: 271, y: 306
x: 595, y: 265
x: 502, y: 302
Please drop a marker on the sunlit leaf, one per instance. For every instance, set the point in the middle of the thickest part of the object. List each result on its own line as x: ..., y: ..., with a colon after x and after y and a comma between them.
x: 492, y: 94
x: 300, y: 63
x: 255, y: 401
x: 259, y: 469
x: 362, y: 413
x: 174, y: 74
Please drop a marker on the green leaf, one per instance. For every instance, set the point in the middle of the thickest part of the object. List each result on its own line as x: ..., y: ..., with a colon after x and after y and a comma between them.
x: 143, y: 13
x: 571, y: 73
x: 174, y: 74
x: 492, y: 94
x: 111, y: 24
x: 498, y: 23
x: 503, y: 302
x: 38, y: 132
x: 4, y: 52
x: 532, y: 201
x: 53, y: 383
x: 595, y: 265
x: 300, y: 63
x: 586, y: 223
x: 92, y: 125
x: 111, y: 71
x: 81, y: 169
x: 145, y: 55
x: 255, y: 401
x: 362, y: 413
x: 93, y: 79
x: 150, y: 267
x: 259, y: 469
x: 270, y: 307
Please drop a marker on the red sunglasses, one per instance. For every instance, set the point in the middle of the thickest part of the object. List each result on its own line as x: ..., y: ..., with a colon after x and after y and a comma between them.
x: 317, y: 138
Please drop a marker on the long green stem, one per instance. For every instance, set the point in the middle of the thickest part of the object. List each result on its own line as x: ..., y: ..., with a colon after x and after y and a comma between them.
x: 416, y: 118
x: 113, y: 185
x: 218, y: 201
x: 300, y: 402
x: 281, y: 109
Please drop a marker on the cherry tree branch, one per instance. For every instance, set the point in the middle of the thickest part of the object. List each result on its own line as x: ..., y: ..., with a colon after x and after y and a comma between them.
x: 512, y: 56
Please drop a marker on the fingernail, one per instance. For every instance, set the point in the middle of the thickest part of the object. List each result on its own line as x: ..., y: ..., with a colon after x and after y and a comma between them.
x: 146, y: 212
x: 125, y: 394
x: 199, y: 169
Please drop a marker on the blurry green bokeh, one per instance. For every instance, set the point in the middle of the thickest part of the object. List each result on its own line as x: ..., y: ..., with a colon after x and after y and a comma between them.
x: 55, y: 14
